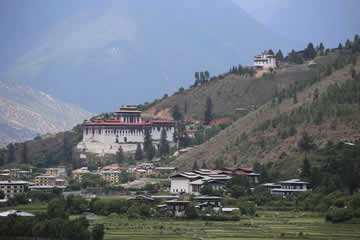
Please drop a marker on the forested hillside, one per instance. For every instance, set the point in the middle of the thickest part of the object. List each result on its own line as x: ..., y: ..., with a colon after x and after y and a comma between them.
x: 325, y: 106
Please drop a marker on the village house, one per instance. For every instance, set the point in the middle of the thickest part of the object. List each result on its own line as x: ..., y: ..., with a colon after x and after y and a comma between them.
x: 177, y: 207
x: 10, y: 188
x: 265, y: 60
x: 192, y: 182
x: 126, y: 130
x: 205, y: 202
x: 56, y: 172
x: 289, y: 187
x: 48, y: 181
x: 78, y: 173
x: 166, y: 171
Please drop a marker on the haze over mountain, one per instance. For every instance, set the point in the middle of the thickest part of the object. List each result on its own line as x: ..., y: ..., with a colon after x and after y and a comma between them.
x: 101, y: 55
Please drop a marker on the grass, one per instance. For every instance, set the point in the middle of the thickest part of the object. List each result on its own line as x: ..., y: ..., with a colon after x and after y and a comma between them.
x: 269, y: 224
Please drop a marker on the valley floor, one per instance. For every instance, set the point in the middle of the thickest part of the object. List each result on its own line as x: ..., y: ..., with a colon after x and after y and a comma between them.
x: 268, y: 225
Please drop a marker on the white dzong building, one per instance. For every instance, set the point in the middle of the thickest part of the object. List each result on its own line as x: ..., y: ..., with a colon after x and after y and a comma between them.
x: 265, y: 60
x: 127, y: 130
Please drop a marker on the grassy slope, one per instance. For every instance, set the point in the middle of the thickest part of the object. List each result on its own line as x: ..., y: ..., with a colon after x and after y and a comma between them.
x: 232, y: 92
x: 246, y: 154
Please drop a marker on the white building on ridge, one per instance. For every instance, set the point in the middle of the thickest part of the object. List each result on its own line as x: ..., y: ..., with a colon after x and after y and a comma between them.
x: 265, y: 60
x: 105, y: 136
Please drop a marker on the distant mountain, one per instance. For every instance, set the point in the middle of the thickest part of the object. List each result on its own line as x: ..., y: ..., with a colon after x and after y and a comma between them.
x: 26, y: 112
x: 128, y: 52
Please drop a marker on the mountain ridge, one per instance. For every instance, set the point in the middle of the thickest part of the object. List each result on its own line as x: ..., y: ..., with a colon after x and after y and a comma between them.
x: 27, y: 112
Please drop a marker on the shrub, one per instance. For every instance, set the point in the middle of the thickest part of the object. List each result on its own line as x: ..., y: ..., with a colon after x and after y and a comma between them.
x: 336, y: 215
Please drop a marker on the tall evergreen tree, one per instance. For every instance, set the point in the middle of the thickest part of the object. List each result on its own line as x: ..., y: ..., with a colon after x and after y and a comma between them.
x: 67, y: 148
x: 321, y: 49
x: 271, y: 52
x: 148, y: 144
x: 306, y: 142
x: 204, y: 166
x: 208, y: 111
x: 279, y: 56
x: 309, y: 52
x: 11, y: 153
x: 202, y: 77
x: 306, y: 169
x: 2, y: 158
x: 195, y: 166
x: 25, y: 153
x: 207, y: 76
x: 340, y: 46
x: 197, y: 79
x: 120, y: 157
x: 164, y: 147
x: 176, y: 114
x: 138, y: 153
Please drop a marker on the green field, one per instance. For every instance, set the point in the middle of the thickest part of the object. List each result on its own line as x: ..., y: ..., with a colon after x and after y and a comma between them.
x: 269, y: 225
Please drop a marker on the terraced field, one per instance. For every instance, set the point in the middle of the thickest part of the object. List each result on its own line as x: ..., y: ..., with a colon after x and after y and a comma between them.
x: 269, y: 225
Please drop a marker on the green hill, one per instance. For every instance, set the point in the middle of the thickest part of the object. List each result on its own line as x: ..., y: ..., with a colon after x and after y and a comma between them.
x: 232, y: 91
x: 271, y: 133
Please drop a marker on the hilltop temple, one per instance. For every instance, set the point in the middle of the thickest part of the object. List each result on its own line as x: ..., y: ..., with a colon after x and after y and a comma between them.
x: 265, y: 60
x: 127, y: 130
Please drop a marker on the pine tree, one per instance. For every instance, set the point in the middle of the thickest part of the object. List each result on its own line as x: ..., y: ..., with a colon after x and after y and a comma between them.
x: 316, y: 96
x: 204, y: 166
x: 340, y: 46
x: 2, y: 158
x: 67, y: 148
x: 138, y: 153
x: 195, y: 166
x: 202, y: 77
x: 321, y: 49
x: 295, y: 98
x: 279, y: 56
x: 271, y: 52
x: 164, y: 143
x: 197, y: 79
x: 207, y: 76
x: 306, y: 142
x: 120, y: 158
x: 148, y: 144
x: 309, y: 52
x: 208, y: 111
x: 176, y: 114
x: 25, y: 153
x: 306, y: 169
x: 11, y: 153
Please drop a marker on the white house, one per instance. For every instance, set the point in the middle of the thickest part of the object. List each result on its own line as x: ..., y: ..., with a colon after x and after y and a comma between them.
x: 265, y: 60
x: 127, y: 130
x: 192, y: 182
x: 289, y: 187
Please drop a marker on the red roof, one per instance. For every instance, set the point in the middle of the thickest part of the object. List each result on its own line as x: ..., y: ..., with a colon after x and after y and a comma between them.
x: 246, y: 169
x: 240, y: 173
x: 229, y: 168
x: 190, y: 131
x: 115, y: 166
x: 120, y: 123
x: 112, y: 166
x: 161, y: 121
